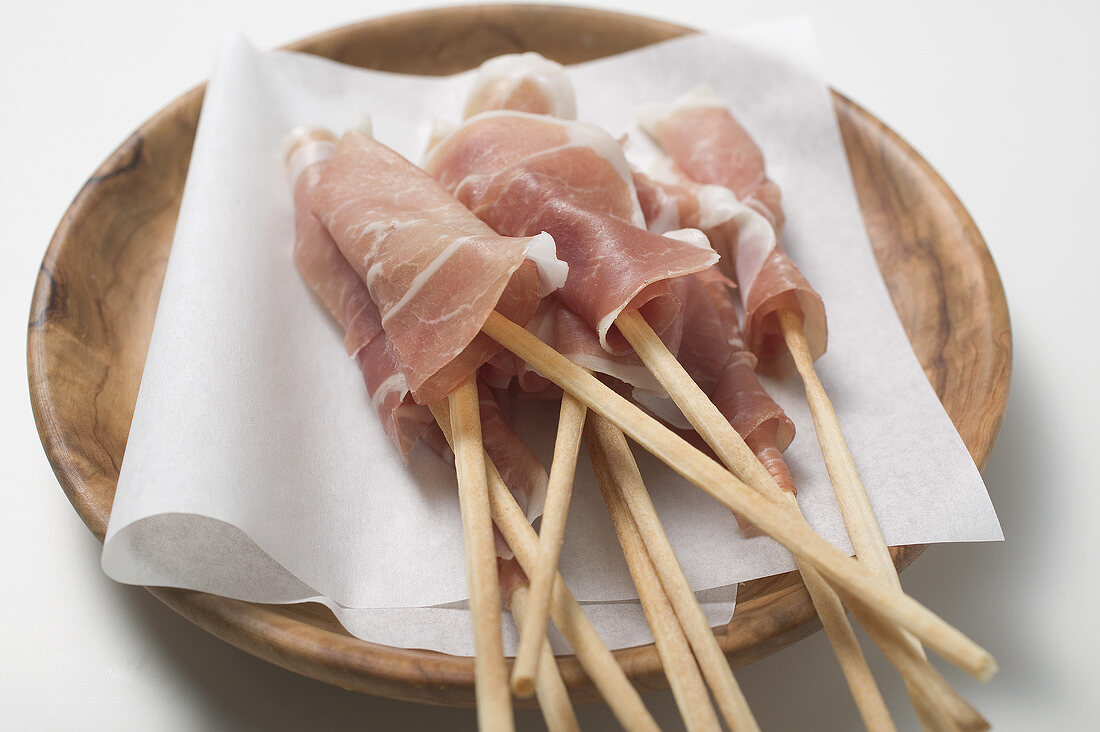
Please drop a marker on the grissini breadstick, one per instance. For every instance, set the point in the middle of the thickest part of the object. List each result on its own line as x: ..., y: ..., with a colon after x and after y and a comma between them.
x: 716, y: 669
x: 565, y: 611
x: 680, y: 667
x: 708, y: 308
x: 557, y: 709
x: 551, y: 535
x: 494, y: 703
x: 782, y: 313
x: 779, y: 522
x: 946, y: 708
x: 855, y: 507
x: 737, y: 456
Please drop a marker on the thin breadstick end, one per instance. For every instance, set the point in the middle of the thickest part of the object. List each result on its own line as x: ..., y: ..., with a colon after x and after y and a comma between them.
x: 494, y: 703
x: 523, y: 685
x: 740, y: 458
x: 557, y: 709
x: 743, y: 461
x: 788, y: 528
x: 591, y: 653
x: 680, y: 667
x: 855, y: 506
x: 558, y: 493
x: 946, y: 706
x: 712, y: 661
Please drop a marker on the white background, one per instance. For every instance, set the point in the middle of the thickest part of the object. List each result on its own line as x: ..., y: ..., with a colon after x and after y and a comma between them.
x: 1002, y: 98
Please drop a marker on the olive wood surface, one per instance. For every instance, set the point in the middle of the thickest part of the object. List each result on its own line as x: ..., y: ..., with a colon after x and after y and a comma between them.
x: 97, y: 291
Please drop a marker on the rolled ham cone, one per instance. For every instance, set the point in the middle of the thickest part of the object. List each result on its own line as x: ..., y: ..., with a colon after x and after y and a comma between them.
x: 345, y: 296
x: 522, y: 82
x: 527, y: 173
x: 347, y: 300
x: 710, y: 147
x: 712, y: 349
x: 714, y: 355
x: 433, y: 269
x: 549, y: 91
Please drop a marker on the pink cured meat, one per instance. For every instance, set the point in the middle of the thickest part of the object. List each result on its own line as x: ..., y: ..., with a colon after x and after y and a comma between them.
x: 433, y: 269
x: 344, y: 295
x: 714, y: 354
x: 524, y: 173
x: 665, y: 205
x: 521, y: 470
x: 522, y: 82
x: 326, y: 271
x: 711, y: 147
x: 533, y: 84
x: 729, y: 224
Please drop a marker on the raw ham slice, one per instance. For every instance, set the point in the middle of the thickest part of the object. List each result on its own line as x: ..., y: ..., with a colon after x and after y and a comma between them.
x: 555, y: 324
x: 525, y: 173
x: 523, y: 82
x: 672, y: 201
x: 433, y: 269
x: 319, y: 260
x: 521, y: 470
x: 344, y: 295
x: 714, y: 354
x: 551, y: 93
x: 708, y: 145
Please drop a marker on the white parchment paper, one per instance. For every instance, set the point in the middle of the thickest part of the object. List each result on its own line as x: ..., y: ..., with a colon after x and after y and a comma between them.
x: 256, y: 468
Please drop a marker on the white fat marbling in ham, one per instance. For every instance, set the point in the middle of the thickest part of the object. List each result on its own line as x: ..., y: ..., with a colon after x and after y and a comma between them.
x: 346, y: 298
x: 434, y: 270
x: 710, y: 147
x: 713, y: 353
x: 524, y: 173
x: 525, y: 82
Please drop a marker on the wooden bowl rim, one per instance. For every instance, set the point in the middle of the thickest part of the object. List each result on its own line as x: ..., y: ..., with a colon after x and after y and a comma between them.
x: 265, y: 630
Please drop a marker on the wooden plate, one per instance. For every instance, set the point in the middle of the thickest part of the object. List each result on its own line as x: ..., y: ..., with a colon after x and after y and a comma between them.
x: 97, y: 293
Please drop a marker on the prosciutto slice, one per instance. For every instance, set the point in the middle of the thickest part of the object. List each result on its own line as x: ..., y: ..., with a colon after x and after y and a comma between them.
x: 523, y: 82
x: 524, y: 173
x: 711, y: 147
x: 521, y: 470
x: 346, y: 298
x: 549, y: 91
x: 673, y: 201
x: 714, y: 355
x: 433, y: 269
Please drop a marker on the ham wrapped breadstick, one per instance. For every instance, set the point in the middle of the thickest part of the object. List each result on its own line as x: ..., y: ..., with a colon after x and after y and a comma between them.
x: 709, y: 146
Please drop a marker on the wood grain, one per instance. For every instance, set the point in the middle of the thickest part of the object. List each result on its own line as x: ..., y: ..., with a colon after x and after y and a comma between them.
x: 97, y: 290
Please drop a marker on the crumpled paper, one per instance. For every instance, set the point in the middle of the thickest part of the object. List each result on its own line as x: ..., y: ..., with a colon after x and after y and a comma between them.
x: 256, y: 468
